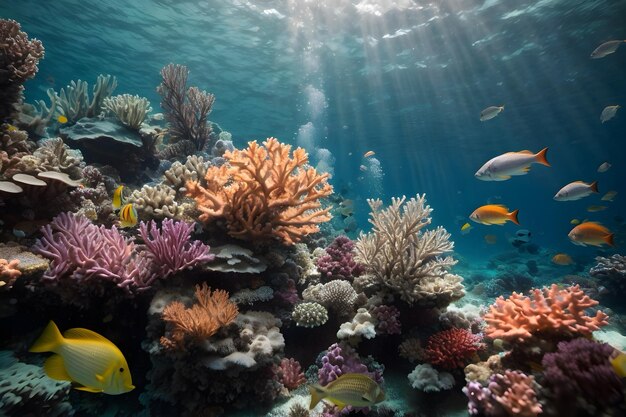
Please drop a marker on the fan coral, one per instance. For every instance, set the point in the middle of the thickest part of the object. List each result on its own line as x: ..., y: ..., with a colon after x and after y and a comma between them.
x: 186, y: 109
x: 19, y: 57
x: 264, y: 193
x: 8, y: 272
x: 339, y: 260
x: 581, y: 369
x: 387, y: 319
x: 548, y: 310
x: 170, y: 249
x: 309, y: 315
x: 452, y: 348
x: 508, y: 394
x: 406, y: 260
x: 212, y: 311
x: 290, y: 373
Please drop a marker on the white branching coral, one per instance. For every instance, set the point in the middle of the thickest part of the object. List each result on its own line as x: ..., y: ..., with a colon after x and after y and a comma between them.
x: 405, y: 259
x: 130, y: 110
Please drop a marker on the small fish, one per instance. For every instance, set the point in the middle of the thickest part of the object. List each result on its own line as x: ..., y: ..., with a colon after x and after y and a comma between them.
x: 490, y: 112
x: 607, y: 48
x: 608, y: 113
x: 609, y: 196
x: 363, y: 168
x: 502, y: 167
x: 357, y: 390
x: 591, y: 233
x: 85, y: 358
x: 595, y: 208
x: 128, y: 216
x: 494, y: 214
x: 491, y: 239
x: 118, y: 197
x: 574, y: 221
x: 368, y: 154
x: 562, y: 259
x: 618, y: 362
x: 576, y: 190
x: 605, y: 166
x: 62, y: 119
x: 465, y: 229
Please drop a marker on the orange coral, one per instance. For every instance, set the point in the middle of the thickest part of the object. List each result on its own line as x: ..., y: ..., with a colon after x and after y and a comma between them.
x: 212, y: 311
x: 263, y: 192
x: 8, y: 272
x: 548, y: 310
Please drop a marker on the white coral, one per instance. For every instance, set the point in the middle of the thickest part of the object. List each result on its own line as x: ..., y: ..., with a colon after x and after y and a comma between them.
x: 130, y: 110
x: 362, y: 325
x: 426, y: 378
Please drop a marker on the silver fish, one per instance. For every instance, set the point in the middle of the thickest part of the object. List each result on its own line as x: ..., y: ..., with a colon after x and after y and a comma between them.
x: 490, y: 112
x: 607, y: 48
x: 605, y: 166
x: 576, y: 190
x: 502, y: 167
x: 608, y: 113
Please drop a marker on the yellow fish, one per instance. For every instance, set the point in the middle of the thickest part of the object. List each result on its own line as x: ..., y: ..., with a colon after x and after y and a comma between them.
x: 128, y: 216
x: 62, y: 119
x: 574, y: 221
x: 591, y: 233
x: 593, y: 209
x: 85, y: 358
x: 609, y: 196
x: 368, y: 154
x: 562, y: 259
x: 357, y: 390
x: 618, y: 362
x: 118, y: 197
x: 494, y: 214
x: 466, y: 228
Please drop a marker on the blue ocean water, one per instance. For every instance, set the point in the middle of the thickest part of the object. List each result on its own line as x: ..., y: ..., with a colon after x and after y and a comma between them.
x: 406, y: 79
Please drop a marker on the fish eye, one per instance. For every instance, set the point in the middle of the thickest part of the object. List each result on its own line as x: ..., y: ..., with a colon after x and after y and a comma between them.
x: 121, y: 369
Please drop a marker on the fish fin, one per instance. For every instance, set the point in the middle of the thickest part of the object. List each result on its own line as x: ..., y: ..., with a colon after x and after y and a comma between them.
x: 609, y: 240
x: 541, y: 157
x: 594, y: 186
x: 54, y: 367
x: 526, y: 151
x: 513, y: 216
x: 88, y: 389
x: 49, y: 340
x: 618, y: 364
x: 340, y: 405
x: 85, y: 334
x: 317, y: 393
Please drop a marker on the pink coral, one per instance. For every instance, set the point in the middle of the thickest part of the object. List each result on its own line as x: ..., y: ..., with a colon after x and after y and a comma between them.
x: 8, y: 272
x: 452, y: 348
x: 387, y: 319
x: 338, y: 262
x: 514, y: 391
x: 547, y: 310
x: 290, y: 373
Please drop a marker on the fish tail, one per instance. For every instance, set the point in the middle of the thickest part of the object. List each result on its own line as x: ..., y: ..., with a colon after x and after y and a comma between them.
x: 609, y: 239
x: 594, y: 187
x: 513, y: 216
x: 541, y: 157
x: 317, y: 393
x: 49, y: 340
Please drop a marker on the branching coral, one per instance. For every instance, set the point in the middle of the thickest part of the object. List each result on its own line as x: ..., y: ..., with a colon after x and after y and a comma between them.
x: 73, y: 101
x: 130, y: 110
x: 158, y: 202
x: 19, y: 57
x: 8, y: 272
x: 452, y: 348
x: 186, y: 109
x: 212, y: 311
x: 290, y: 374
x: 405, y: 259
x: 548, y: 311
x: 262, y: 192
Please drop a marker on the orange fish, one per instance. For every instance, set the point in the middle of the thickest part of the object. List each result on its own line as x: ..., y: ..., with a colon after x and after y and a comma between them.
x: 494, y: 214
x: 562, y: 259
x: 591, y: 233
x: 368, y: 154
x: 491, y: 239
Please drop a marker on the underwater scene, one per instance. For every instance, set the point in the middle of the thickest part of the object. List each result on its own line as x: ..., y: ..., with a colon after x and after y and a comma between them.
x: 324, y: 208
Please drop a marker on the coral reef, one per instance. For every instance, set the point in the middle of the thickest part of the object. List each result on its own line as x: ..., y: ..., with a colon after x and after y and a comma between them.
x: 341, y: 359
x: 290, y: 374
x: 406, y: 260
x: 362, y: 325
x: 452, y: 348
x: 130, y: 110
x: 338, y: 262
x: 611, y: 273
x: 264, y: 193
x: 426, y: 378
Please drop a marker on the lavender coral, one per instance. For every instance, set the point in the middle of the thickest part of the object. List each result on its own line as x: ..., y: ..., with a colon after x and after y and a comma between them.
x: 338, y: 262
x: 341, y: 359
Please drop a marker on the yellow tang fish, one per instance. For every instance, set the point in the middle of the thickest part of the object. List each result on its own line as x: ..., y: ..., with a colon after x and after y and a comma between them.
x: 85, y: 358
x: 357, y: 390
x: 62, y: 119
x: 494, y: 214
x: 128, y: 216
x: 118, y: 197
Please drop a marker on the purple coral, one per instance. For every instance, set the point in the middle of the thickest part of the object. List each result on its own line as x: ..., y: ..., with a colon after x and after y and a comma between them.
x: 342, y: 359
x: 388, y: 319
x: 581, y: 369
x: 170, y: 249
x: 339, y: 260
x: 508, y: 394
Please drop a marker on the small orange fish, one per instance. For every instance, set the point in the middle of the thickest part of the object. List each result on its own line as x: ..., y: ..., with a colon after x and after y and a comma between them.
x: 591, y: 233
x: 368, y: 154
x: 594, y: 208
x: 491, y: 239
x: 562, y: 259
x: 494, y: 214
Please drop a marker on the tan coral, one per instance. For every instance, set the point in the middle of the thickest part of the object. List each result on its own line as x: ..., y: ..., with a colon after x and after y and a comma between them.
x: 194, y: 169
x: 157, y: 203
x: 8, y: 272
x: 264, y: 193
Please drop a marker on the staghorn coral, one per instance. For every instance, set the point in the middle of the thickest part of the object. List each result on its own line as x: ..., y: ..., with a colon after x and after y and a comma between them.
x: 212, y: 311
x: 130, y: 110
x: 338, y: 261
x: 19, y: 57
x: 309, y: 315
x: 289, y: 373
x: 425, y: 378
x: 337, y: 295
x: 186, y: 109
x: 406, y: 260
x: 452, y: 348
x: 8, y: 272
x: 157, y: 202
x: 548, y: 311
x: 264, y: 193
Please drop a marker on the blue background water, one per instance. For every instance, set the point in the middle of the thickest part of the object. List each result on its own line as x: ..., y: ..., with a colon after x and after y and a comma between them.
x: 404, y: 78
